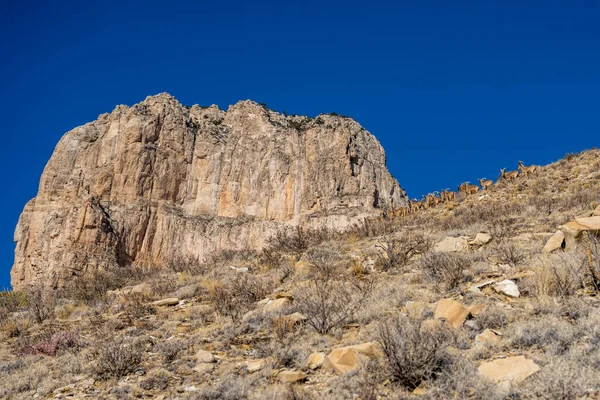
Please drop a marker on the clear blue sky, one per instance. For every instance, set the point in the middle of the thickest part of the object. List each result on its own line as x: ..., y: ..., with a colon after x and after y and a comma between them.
x: 453, y: 90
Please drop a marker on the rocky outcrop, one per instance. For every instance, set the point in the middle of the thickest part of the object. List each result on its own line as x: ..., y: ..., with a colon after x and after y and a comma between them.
x: 159, y: 181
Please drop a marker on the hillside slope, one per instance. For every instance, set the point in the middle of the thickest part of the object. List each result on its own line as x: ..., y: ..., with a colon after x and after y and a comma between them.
x: 455, y: 301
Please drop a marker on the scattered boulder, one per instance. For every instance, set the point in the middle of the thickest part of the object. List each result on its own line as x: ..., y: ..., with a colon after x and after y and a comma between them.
x: 452, y: 244
x: 346, y: 359
x: 508, y: 288
x: 557, y: 241
x: 203, y: 356
x: 508, y: 370
x: 173, y: 301
x: 488, y: 337
x: 315, y: 360
x: 452, y: 311
x: 291, y: 376
x: 476, y: 287
x: 481, y: 239
x: 255, y: 365
x: 277, y: 304
x: 204, y: 368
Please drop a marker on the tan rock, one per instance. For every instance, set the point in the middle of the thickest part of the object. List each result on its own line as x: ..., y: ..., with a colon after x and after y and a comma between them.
x: 277, y: 305
x: 255, y: 365
x: 488, y: 337
x: 590, y: 223
x: 596, y: 212
x: 315, y: 360
x: 291, y: 376
x: 481, y: 239
x: 452, y: 244
x: 555, y: 242
x: 509, y: 370
x: 173, y: 301
x: 203, y: 356
x: 452, y: 311
x: 303, y: 268
x: 346, y: 359
x: 204, y: 368
x: 157, y: 182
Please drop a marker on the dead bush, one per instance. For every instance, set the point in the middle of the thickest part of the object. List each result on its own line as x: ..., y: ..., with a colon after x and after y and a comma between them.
x: 297, y: 240
x: 116, y: 357
x: 40, y: 304
x: 510, y: 254
x: 414, y: 353
x: 560, y: 275
x: 49, y: 343
x: 188, y: 265
x: 548, y: 334
x: 399, y: 251
x: 170, y: 349
x: 329, y: 300
x: 460, y: 380
x: 10, y: 302
x: 445, y: 268
x: 237, y: 296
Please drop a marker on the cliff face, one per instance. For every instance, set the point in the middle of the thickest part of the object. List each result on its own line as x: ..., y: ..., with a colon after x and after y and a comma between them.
x: 156, y: 181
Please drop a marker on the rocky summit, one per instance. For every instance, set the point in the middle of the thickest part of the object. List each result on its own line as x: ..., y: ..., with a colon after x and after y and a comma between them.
x: 159, y: 181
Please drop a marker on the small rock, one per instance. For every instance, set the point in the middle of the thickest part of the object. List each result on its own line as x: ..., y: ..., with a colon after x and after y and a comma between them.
x: 315, y: 360
x: 203, y: 356
x: 166, y: 302
x: 243, y: 269
x: 452, y: 311
x: 291, y: 376
x: 507, y: 287
x: 556, y: 242
x: 255, y: 365
x: 476, y: 287
x: 452, y: 244
x: 480, y: 239
x: 204, y: 368
x: 596, y: 211
x: 415, y: 309
x: 488, y: 337
x: 277, y: 305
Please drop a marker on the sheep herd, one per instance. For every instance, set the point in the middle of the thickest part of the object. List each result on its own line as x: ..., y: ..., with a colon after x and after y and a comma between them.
x: 436, y: 198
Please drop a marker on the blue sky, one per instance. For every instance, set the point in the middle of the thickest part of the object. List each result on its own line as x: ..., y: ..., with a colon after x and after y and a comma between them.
x: 472, y: 86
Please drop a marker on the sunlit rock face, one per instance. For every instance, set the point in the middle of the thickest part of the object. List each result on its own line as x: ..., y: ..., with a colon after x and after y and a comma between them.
x: 159, y: 181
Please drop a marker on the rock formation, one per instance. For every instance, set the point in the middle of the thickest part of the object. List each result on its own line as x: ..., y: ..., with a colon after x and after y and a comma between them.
x: 159, y: 181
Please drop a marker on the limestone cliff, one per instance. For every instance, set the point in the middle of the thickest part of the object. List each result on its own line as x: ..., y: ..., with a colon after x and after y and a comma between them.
x: 158, y: 180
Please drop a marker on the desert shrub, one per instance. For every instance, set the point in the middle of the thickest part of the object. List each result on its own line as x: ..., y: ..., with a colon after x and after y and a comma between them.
x: 373, y: 227
x: 188, y: 265
x: 230, y: 387
x: 559, y: 275
x: 297, y: 240
x: 494, y: 317
x: 40, y: 304
x: 399, y: 251
x: 460, y: 380
x: 510, y: 254
x: 10, y: 302
x: 91, y: 287
x: 563, y: 379
x: 116, y: 357
x: 592, y: 258
x: 237, y: 296
x: 136, y: 306
x: 49, y: 343
x: 549, y: 333
x: 170, y: 349
x: 157, y: 379
x: 330, y: 299
x: 413, y: 352
x: 445, y: 268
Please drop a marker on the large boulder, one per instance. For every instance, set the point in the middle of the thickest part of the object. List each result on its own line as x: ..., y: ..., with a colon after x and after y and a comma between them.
x: 556, y: 242
x: 509, y: 370
x: 159, y: 181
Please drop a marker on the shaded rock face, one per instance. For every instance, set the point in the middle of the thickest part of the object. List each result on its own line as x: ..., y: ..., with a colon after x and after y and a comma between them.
x: 159, y: 181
